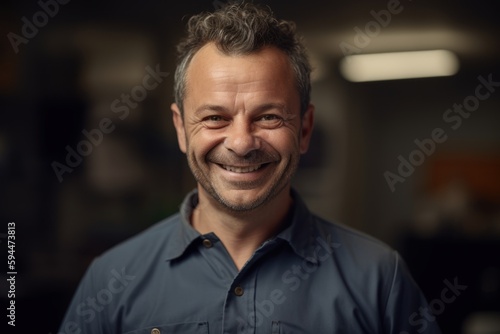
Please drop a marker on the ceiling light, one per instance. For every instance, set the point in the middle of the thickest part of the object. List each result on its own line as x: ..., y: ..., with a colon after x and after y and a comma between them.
x: 399, y: 65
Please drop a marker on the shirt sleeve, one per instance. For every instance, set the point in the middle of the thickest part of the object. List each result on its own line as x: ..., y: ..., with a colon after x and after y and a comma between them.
x: 85, y: 314
x: 406, y: 309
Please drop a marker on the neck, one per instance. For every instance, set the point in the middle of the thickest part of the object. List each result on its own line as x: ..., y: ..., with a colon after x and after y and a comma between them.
x: 241, y: 232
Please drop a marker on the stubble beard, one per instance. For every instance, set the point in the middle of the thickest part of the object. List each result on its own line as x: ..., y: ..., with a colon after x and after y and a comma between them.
x: 271, y: 192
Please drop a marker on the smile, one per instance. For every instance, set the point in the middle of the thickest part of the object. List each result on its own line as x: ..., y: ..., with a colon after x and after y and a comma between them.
x: 236, y: 169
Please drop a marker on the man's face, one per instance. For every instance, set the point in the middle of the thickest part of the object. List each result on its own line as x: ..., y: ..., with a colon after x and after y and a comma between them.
x: 241, y: 129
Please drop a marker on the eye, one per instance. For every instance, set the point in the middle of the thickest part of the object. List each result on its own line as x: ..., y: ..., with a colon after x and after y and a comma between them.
x: 270, y: 121
x: 215, y: 121
x: 269, y: 117
x: 214, y: 118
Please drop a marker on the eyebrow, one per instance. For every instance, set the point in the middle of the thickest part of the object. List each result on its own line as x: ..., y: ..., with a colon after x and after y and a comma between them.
x: 259, y: 109
x: 212, y: 107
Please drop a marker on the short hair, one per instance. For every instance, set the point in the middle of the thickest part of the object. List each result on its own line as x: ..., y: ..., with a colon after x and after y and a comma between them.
x: 241, y: 29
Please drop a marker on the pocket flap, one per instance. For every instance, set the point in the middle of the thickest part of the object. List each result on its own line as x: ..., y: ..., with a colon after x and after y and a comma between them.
x: 179, y: 328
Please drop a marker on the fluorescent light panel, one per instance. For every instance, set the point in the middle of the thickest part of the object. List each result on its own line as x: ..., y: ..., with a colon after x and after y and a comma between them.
x: 399, y: 65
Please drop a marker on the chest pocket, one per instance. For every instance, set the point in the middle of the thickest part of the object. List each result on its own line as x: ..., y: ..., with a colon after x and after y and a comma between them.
x: 278, y: 327
x: 275, y: 327
x: 180, y: 328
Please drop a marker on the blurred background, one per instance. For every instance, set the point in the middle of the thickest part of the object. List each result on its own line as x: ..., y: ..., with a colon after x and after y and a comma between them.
x: 88, y: 154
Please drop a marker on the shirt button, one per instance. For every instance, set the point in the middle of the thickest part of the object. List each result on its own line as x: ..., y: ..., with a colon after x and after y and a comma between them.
x: 155, y: 331
x: 238, y: 291
x: 207, y: 243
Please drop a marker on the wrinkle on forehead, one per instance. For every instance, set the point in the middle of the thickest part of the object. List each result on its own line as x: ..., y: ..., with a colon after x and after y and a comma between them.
x: 234, y: 81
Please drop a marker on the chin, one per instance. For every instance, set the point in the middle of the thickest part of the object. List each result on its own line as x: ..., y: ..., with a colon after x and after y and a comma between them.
x: 242, y: 200
x: 246, y: 200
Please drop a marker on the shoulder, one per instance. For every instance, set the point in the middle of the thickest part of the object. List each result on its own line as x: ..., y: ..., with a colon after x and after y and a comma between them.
x: 349, y: 248
x: 150, y: 245
x: 105, y: 281
x: 369, y: 268
x: 356, y: 254
x: 352, y: 240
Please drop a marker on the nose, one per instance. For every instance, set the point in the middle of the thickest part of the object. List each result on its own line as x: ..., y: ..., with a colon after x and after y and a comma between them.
x: 241, y: 138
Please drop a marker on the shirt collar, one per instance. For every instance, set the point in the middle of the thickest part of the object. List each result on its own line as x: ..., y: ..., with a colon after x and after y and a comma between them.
x: 301, y: 233
x: 184, y: 234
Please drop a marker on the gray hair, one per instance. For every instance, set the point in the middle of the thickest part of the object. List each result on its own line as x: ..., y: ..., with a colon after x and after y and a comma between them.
x: 241, y: 29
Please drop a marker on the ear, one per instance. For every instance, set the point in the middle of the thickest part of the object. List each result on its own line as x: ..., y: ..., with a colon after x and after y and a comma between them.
x: 179, y: 127
x: 306, y: 129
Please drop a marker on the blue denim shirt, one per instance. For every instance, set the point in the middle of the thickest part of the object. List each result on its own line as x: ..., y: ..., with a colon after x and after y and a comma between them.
x: 313, y: 277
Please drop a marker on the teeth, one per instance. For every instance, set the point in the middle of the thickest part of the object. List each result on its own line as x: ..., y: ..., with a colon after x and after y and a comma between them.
x: 241, y: 169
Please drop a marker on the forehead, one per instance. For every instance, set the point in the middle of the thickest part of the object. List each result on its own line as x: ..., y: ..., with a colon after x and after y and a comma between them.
x: 268, y: 69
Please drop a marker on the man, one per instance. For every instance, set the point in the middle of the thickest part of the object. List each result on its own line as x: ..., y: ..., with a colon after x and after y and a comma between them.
x: 244, y: 255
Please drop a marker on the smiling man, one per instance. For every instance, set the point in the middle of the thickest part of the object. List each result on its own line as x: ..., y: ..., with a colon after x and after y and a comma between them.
x: 244, y: 254
x: 242, y: 129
